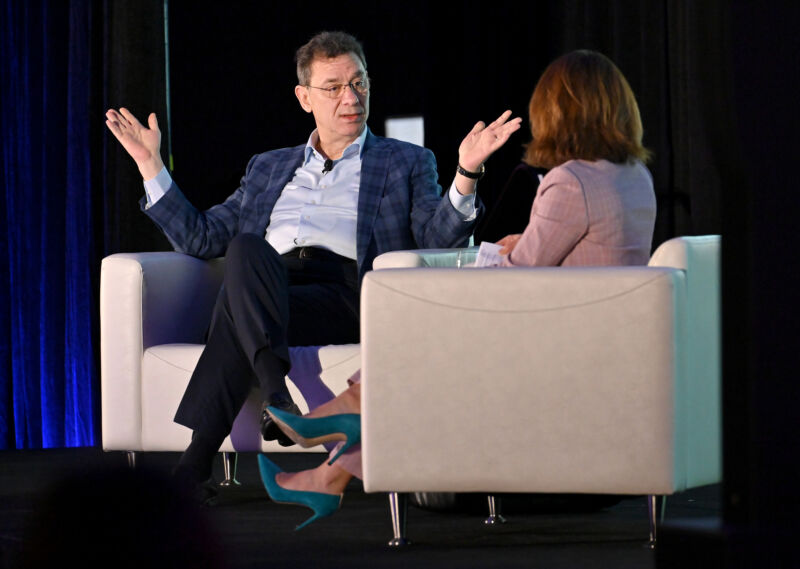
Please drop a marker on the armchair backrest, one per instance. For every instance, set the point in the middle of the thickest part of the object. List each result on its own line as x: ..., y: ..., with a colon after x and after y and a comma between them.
x: 699, y: 257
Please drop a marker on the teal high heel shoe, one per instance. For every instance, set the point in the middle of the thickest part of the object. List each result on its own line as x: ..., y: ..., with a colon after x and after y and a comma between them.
x: 322, y: 504
x: 309, y: 432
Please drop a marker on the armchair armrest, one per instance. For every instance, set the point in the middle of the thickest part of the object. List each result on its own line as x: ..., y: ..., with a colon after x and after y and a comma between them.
x: 425, y: 258
x: 147, y: 299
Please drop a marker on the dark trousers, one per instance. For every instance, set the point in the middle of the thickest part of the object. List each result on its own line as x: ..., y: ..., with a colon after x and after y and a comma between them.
x: 267, y: 303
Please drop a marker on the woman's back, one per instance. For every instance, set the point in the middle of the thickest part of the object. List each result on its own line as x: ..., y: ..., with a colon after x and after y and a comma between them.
x: 590, y: 213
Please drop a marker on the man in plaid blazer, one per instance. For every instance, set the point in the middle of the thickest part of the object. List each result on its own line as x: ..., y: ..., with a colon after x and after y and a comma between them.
x: 298, y: 235
x: 399, y: 204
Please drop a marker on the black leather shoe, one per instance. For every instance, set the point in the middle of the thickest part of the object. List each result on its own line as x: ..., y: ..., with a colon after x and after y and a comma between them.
x: 269, y: 430
x: 206, y: 493
x: 202, y: 493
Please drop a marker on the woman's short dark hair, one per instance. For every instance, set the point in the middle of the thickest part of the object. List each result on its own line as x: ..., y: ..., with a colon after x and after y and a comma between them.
x: 583, y: 108
x: 326, y: 45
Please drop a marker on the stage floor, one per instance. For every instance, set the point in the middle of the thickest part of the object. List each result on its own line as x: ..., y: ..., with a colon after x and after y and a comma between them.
x: 245, y: 529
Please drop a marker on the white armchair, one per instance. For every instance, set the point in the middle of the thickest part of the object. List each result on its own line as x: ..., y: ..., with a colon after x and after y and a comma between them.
x: 154, y: 312
x: 554, y: 380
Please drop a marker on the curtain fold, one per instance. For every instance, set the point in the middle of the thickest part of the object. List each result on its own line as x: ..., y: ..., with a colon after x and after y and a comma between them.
x: 68, y: 200
x: 48, y: 375
x: 80, y: 296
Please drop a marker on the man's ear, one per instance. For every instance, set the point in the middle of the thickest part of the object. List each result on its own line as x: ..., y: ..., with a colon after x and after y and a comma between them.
x: 302, y: 95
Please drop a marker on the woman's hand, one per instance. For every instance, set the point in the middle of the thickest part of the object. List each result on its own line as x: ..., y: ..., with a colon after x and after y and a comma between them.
x: 143, y: 143
x: 509, y: 242
x: 483, y: 140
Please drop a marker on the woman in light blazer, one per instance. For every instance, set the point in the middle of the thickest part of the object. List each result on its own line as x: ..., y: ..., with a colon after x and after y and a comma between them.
x: 595, y: 206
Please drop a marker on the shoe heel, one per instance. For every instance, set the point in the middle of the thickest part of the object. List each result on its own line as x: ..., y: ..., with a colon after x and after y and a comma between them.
x: 341, y: 451
x: 322, y: 505
x: 313, y: 518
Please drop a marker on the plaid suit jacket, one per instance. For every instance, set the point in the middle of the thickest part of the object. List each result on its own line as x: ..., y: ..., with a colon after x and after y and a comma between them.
x: 399, y: 204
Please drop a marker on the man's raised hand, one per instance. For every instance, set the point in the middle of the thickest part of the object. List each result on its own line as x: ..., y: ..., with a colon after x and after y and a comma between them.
x: 143, y: 143
x: 483, y: 140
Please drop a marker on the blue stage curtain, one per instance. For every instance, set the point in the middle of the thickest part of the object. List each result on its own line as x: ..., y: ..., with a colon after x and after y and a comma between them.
x: 49, y: 378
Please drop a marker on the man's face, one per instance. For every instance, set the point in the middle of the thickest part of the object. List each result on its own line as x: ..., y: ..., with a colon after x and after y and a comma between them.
x: 341, y: 120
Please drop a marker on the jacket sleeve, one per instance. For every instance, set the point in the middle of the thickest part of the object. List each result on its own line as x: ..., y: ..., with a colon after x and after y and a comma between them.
x: 559, y: 219
x: 435, y: 223
x: 203, y: 234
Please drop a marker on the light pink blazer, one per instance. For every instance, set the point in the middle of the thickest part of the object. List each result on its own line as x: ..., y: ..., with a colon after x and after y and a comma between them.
x: 589, y: 213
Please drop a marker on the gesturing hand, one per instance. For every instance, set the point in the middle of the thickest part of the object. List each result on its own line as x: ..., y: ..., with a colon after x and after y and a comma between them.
x: 142, y: 143
x: 483, y: 140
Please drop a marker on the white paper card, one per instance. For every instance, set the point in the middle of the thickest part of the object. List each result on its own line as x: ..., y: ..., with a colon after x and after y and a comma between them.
x: 488, y: 255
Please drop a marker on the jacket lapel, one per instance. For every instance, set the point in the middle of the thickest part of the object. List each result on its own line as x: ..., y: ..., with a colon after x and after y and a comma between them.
x: 281, y: 174
x: 374, y: 171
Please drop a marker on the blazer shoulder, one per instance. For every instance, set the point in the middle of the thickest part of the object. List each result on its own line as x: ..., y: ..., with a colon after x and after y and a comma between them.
x: 564, y: 176
x: 278, y: 155
x: 274, y: 161
x: 602, y: 169
x: 395, y: 145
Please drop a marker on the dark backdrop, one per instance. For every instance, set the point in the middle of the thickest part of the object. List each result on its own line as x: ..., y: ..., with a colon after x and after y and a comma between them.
x: 232, y: 92
x: 716, y: 85
x: 231, y: 78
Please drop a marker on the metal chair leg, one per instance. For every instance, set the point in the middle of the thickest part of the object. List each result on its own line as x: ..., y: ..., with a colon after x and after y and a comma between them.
x: 229, y: 462
x: 398, y: 506
x: 495, y: 517
x: 653, y: 511
x: 131, y: 459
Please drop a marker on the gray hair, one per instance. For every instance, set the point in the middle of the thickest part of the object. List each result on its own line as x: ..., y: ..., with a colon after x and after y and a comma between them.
x: 328, y: 45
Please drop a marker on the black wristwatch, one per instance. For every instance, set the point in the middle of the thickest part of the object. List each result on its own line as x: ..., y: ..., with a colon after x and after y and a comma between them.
x: 473, y: 175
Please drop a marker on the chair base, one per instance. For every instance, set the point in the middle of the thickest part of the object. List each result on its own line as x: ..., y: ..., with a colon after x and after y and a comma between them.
x: 230, y: 461
x: 655, y: 514
x: 495, y: 517
x: 398, y: 506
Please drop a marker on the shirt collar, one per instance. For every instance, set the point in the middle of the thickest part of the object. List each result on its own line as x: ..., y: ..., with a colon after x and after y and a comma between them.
x: 357, y: 146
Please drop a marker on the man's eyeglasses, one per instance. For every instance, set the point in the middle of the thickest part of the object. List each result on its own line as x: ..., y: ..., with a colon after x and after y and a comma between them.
x: 361, y: 87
